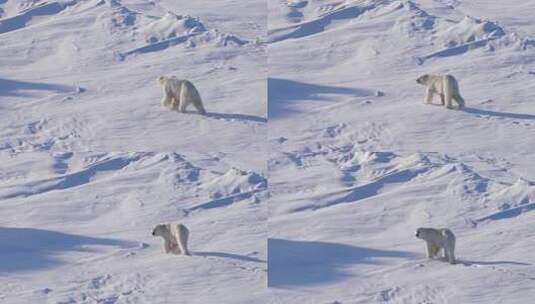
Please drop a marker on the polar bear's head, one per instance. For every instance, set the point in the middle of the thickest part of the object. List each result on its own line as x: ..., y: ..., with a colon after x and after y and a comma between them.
x: 422, y: 79
x: 161, y: 230
x: 424, y: 233
x: 421, y: 233
x: 162, y: 80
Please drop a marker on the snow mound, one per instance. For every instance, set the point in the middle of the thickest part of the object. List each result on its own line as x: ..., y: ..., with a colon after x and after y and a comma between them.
x: 236, y: 181
x: 171, y: 26
x: 181, y: 174
x: 321, y: 23
x: 173, y: 29
x: 512, y: 201
x: 469, y: 30
x: 25, y: 17
x: 410, y: 18
x: 95, y: 166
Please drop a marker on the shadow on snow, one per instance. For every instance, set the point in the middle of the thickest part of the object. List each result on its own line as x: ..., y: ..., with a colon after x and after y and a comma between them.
x: 17, y: 88
x: 282, y: 93
x: 233, y: 256
x: 499, y: 114
x: 293, y: 263
x: 27, y: 249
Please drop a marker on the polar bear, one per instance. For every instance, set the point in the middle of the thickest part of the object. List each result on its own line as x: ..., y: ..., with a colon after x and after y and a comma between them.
x: 175, y: 237
x: 178, y: 94
x: 446, y: 86
x: 437, y: 239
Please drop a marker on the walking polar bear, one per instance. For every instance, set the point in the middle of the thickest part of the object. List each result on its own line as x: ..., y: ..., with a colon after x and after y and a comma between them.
x: 179, y: 94
x: 446, y: 86
x: 437, y: 239
x: 175, y: 237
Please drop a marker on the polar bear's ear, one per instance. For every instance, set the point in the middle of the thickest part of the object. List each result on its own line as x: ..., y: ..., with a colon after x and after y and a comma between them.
x: 162, y: 79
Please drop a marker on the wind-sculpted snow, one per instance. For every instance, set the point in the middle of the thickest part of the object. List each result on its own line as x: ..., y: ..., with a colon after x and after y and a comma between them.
x: 94, y: 212
x: 89, y: 69
x: 23, y: 19
x: 318, y: 25
x: 349, y: 221
x: 172, y: 29
x: 318, y: 204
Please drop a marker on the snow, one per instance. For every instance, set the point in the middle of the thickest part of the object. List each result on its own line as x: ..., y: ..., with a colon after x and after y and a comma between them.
x: 354, y: 173
x: 320, y: 204
x: 96, y: 63
x: 78, y: 225
x: 90, y: 161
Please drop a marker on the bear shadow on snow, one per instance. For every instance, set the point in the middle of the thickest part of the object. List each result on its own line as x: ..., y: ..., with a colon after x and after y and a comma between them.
x: 293, y: 263
x: 26, y: 249
x: 230, y: 116
x: 17, y: 88
x: 282, y: 93
x: 484, y: 263
x: 498, y: 114
x: 240, y: 117
x: 243, y: 258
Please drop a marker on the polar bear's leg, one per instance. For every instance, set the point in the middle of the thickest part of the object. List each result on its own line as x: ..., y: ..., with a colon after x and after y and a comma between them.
x: 447, y: 254
x: 198, y: 105
x: 459, y: 100
x: 174, y: 104
x: 448, y: 98
x: 448, y: 88
x: 182, y: 234
x: 176, y: 249
x: 166, y: 100
x: 195, y: 97
x: 429, y: 95
x: 167, y: 246
x: 450, y: 252
x: 430, y: 250
x: 451, y: 256
x: 442, y: 99
x: 436, y: 250
x: 185, y: 99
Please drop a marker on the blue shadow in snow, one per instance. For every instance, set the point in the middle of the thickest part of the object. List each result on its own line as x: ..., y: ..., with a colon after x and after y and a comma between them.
x: 499, y: 114
x: 73, y: 179
x: 243, y: 258
x: 509, y: 213
x: 283, y: 92
x: 239, y: 117
x: 158, y: 46
x: 318, y: 25
x: 28, y: 249
x: 229, y: 116
x: 14, y: 87
x: 299, y: 263
x: 20, y: 21
x: 224, y: 201
x: 368, y: 190
x: 470, y: 263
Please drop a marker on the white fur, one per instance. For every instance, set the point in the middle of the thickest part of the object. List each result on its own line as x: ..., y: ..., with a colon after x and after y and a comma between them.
x: 175, y: 237
x: 437, y: 239
x: 178, y: 94
x: 446, y: 86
